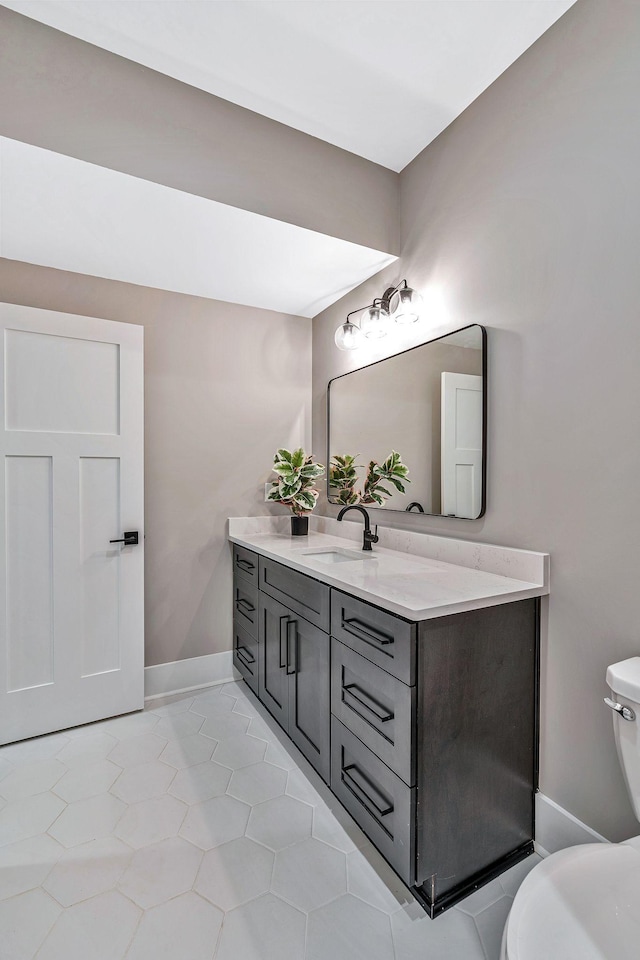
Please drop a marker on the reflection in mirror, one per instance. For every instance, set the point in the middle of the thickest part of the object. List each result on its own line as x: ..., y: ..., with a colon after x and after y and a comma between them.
x: 428, y: 405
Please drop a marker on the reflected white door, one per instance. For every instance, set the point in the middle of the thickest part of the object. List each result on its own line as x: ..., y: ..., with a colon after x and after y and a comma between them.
x: 461, y: 439
x: 71, y: 478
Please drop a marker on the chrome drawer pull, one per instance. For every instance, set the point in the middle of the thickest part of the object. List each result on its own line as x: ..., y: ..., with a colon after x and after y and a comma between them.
x: 365, y: 701
x: 625, y: 712
x: 365, y: 632
x: 349, y: 777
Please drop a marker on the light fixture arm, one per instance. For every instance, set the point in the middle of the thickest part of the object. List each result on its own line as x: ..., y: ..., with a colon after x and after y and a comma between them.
x: 360, y: 309
x: 385, y: 299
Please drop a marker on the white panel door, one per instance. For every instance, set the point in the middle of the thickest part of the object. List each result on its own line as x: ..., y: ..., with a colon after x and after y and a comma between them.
x: 461, y: 440
x: 71, y: 480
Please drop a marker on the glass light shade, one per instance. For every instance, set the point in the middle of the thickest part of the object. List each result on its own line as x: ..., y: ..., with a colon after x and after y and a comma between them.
x: 348, y: 336
x: 374, y: 323
x: 409, y: 304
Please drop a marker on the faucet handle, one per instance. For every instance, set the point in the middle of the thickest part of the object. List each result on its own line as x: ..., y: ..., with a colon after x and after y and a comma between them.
x: 374, y: 536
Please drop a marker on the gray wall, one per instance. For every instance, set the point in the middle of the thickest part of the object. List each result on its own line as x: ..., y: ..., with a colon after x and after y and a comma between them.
x: 524, y: 216
x: 225, y: 386
x: 67, y: 95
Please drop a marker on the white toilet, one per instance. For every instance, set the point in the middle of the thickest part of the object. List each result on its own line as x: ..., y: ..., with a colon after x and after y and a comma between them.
x: 583, y: 903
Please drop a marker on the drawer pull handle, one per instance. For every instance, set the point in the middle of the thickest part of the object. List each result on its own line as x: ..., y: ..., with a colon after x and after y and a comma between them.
x: 366, y: 632
x: 244, y: 605
x: 283, y: 641
x: 245, y: 565
x: 244, y: 656
x: 349, y: 775
x: 363, y: 698
x: 292, y: 662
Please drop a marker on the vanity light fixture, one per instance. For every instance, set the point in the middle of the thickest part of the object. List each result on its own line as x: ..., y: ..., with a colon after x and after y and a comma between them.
x: 376, y: 316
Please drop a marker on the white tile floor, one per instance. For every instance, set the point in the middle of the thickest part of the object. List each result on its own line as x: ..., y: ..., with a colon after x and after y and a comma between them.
x: 195, y: 831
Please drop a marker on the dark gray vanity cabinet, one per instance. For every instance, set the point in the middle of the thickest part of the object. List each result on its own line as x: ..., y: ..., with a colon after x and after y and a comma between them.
x: 293, y: 677
x: 426, y: 732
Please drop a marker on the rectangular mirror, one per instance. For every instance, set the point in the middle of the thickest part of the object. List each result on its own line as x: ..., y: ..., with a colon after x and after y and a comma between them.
x: 428, y: 404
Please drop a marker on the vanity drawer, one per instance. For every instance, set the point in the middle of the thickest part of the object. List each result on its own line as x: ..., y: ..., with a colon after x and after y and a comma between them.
x: 379, y: 636
x: 377, y: 707
x: 305, y: 596
x: 245, y: 563
x: 380, y: 803
x: 245, y: 655
x: 245, y: 605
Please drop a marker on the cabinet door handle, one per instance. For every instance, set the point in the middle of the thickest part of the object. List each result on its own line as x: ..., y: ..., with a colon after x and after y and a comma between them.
x: 283, y: 641
x: 294, y: 659
x: 245, y: 565
x: 365, y: 632
x: 244, y: 656
x: 363, y: 698
x: 351, y: 776
x: 244, y: 605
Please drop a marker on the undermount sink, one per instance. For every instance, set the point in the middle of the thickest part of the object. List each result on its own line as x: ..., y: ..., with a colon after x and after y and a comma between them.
x: 335, y: 556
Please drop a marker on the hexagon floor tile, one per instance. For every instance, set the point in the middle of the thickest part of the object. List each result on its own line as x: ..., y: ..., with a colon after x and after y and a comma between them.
x: 159, y: 872
x: 188, y: 830
x: 280, y: 822
x: 215, y: 821
x: 85, y: 871
x: 149, y: 821
x: 310, y: 874
x: 264, y: 929
x: 200, y: 782
x: 234, y: 873
x: 187, y: 927
x: 257, y: 783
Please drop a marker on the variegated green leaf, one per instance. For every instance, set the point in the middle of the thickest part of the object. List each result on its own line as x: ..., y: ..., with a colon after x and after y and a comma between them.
x: 312, y: 470
x: 284, y: 469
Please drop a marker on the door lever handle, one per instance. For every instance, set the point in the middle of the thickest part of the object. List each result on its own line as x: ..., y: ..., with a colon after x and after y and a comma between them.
x: 130, y: 538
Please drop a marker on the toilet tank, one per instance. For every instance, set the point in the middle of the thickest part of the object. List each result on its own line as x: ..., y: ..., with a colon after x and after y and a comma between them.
x: 623, y: 680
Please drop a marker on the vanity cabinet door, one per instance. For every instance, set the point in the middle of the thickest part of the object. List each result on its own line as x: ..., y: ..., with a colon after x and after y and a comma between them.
x: 273, y: 681
x: 307, y: 658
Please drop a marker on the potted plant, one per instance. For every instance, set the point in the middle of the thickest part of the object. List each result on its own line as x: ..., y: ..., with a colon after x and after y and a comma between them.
x: 294, y: 487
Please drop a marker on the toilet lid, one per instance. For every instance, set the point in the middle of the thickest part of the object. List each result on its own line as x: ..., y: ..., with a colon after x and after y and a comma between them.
x: 582, y: 903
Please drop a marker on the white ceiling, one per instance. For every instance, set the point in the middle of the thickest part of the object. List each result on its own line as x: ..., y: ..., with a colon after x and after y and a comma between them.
x: 380, y: 78
x: 71, y: 215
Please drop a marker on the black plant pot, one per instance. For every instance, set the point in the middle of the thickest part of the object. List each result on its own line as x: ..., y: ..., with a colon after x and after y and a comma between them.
x: 299, y: 526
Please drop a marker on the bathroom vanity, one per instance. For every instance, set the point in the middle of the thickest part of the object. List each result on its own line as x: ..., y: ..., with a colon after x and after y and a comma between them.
x: 408, y: 681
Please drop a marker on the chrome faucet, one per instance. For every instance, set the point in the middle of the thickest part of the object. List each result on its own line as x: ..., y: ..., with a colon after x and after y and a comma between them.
x: 368, y: 537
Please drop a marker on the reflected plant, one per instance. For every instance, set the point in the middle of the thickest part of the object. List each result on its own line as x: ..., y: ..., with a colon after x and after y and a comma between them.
x: 294, y: 487
x: 343, y: 478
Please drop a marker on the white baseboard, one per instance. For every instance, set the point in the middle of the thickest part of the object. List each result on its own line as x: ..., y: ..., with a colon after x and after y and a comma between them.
x: 165, y: 679
x: 556, y: 828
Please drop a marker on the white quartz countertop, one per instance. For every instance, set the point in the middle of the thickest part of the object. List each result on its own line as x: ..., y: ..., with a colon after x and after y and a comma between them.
x: 413, y: 586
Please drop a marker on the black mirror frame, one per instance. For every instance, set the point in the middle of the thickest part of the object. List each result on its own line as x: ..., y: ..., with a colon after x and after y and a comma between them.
x: 483, y: 504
